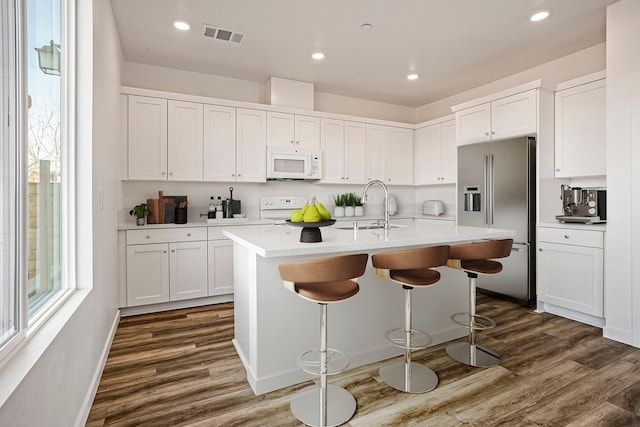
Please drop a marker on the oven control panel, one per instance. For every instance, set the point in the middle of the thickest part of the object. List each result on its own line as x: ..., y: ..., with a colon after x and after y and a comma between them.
x: 289, y: 203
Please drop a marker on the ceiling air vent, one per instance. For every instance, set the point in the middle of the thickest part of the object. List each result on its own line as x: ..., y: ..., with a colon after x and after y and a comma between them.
x: 221, y: 34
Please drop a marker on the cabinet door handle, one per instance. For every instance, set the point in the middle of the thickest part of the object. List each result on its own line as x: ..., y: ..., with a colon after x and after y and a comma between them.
x: 148, y: 237
x: 557, y: 169
x: 170, y: 173
x: 566, y: 236
x: 173, y: 251
x: 164, y: 252
x: 188, y: 234
x: 540, y: 249
x: 163, y: 173
x: 486, y: 133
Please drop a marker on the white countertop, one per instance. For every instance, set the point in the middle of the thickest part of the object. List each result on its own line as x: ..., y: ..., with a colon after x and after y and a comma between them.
x: 284, y: 240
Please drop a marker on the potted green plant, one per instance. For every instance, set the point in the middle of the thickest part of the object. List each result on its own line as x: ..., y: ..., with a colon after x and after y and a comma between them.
x: 358, y: 209
x: 338, y: 211
x: 349, y: 205
x: 141, y: 212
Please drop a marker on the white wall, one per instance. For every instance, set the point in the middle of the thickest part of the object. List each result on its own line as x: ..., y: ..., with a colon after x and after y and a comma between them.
x: 135, y: 192
x: 622, y: 239
x: 59, y: 386
x: 578, y: 64
x: 187, y: 82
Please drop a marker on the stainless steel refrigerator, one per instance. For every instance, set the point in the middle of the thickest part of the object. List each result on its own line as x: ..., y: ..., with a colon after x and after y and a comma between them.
x: 496, y: 189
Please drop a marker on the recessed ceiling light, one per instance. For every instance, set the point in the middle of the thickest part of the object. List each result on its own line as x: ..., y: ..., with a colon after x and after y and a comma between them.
x: 366, y: 27
x: 539, y: 16
x: 182, y: 25
x: 412, y: 76
x: 318, y: 55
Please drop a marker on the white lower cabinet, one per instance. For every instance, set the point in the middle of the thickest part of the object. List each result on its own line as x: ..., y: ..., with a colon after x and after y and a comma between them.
x: 571, y: 272
x: 166, y: 265
x: 147, y: 274
x: 220, y: 263
x: 187, y: 270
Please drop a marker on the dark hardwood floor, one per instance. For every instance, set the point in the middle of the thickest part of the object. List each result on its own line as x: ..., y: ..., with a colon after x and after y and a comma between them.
x: 179, y: 368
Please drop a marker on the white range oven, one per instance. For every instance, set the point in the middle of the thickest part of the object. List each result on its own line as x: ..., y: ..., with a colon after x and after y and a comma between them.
x: 279, y: 208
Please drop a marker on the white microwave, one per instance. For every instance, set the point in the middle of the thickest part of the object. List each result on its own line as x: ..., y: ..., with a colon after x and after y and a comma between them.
x: 287, y: 164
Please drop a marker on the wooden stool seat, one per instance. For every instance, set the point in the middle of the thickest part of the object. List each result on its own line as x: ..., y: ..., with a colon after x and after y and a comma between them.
x: 474, y: 259
x: 410, y: 268
x: 324, y: 281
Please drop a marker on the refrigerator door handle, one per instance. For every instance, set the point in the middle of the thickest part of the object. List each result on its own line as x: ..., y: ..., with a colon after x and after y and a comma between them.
x: 486, y: 189
x: 491, y: 195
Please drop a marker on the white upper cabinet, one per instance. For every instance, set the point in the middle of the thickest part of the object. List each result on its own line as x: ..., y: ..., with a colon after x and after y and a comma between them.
x: 581, y: 130
x: 390, y: 154
x: 502, y: 118
x: 147, y: 138
x: 185, y: 139
x: 355, y: 152
x: 344, y: 146
x: 164, y: 139
x: 293, y: 130
x: 251, y: 147
x: 219, y: 143
x: 435, y: 154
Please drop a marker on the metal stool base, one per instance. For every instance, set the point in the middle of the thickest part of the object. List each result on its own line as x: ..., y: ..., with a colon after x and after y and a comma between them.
x: 306, y: 407
x: 477, y: 355
x: 412, y: 378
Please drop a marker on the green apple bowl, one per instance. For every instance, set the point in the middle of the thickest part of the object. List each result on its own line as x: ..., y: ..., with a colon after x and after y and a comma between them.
x: 311, y: 230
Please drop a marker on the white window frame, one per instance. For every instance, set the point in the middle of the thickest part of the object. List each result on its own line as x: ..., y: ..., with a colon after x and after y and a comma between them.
x: 29, y: 327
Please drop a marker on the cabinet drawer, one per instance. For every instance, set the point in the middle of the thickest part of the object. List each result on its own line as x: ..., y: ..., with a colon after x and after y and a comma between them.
x: 166, y: 235
x: 571, y: 237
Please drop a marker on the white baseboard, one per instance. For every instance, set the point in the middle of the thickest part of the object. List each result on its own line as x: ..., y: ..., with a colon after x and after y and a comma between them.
x: 95, y: 382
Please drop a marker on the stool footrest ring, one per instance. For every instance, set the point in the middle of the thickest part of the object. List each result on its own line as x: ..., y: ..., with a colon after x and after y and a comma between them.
x: 309, y: 361
x: 477, y: 322
x: 417, y: 338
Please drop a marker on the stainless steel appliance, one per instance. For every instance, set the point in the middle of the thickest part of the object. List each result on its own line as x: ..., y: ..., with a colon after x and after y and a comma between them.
x: 287, y: 164
x: 433, y: 207
x: 496, y: 189
x: 583, y: 205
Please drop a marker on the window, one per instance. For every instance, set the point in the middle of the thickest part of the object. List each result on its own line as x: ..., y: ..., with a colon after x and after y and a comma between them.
x: 34, y: 151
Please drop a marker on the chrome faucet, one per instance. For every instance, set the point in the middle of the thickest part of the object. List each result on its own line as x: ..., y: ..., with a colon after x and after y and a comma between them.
x: 386, y: 199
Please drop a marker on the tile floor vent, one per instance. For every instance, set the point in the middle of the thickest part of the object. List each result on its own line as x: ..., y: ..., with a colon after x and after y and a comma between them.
x: 222, y: 34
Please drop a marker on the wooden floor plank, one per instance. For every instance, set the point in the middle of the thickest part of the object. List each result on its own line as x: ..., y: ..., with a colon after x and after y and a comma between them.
x: 179, y: 368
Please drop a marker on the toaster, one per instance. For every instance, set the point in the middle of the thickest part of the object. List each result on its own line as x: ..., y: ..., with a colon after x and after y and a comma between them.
x: 433, y: 207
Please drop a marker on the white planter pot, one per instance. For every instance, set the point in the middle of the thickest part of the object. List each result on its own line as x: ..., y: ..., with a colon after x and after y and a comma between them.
x: 141, y: 221
x: 338, y: 211
x: 359, y: 210
x: 349, y: 211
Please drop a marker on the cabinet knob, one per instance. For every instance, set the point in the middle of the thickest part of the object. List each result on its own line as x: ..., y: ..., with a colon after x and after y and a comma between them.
x: 486, y: 133
x: 539, y: 249
x: 566, y: 236
x: 239, y: 174
x: 170, y: 173
x: 163, y: 173
x: 188, y: 234
x: 557, y: 169
x: 164, y: 252
x: 148, y: 237
x: 493, y: 133
x: 173, y: 251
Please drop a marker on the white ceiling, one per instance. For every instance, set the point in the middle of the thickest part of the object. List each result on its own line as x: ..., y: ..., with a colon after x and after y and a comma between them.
x: 454, y: 45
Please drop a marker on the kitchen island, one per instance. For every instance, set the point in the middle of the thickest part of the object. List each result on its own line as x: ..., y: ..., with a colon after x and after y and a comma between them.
x: 273, y: 326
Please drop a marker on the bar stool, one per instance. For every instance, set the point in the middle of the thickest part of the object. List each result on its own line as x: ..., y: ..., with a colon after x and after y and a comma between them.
x: 410, y: 268
x: 475, y: 259
x: 324, y: 281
